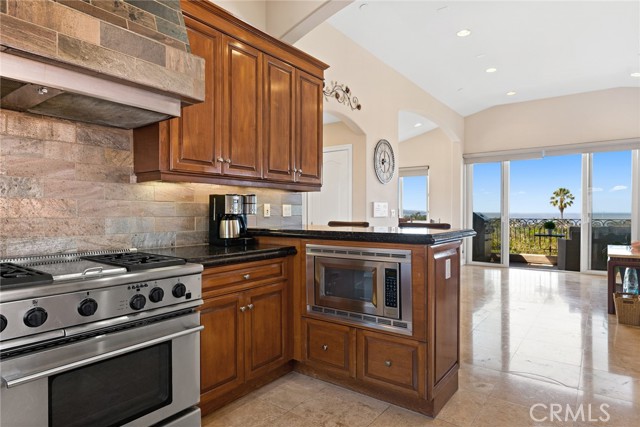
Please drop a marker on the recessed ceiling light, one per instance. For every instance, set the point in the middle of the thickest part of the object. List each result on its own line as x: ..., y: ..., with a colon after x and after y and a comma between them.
x: 459, y: 89
x: 511, y: 93
x: 363, y: 7
x: 635, y: 74
x: 417, y: 125
x: 481, y: 55
x: 463, y: 33
x: 442, y: 9
x: 491, y: 70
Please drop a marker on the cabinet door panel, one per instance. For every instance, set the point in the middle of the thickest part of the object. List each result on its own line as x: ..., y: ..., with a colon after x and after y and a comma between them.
x: 279, y: 130
x: 328, y: 345
x: 309, y: 124
x: 242, y: 139
x: 221, y: 361
x: 196, y: 136
x: 265, y: 328
x: 447, y: 328
x: 392, y: 362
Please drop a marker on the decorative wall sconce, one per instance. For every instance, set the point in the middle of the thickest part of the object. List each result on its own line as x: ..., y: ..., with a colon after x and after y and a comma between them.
x: 343, y: 94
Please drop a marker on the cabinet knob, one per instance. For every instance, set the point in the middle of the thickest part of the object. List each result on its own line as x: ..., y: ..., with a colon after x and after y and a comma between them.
x: 387, y: 363
x: 325, y: 347
x: 220, y: 160
x: 247, y: 276
x: 250, y: 306
x: 299, y: 171
x: 228, y: 161
x: 243, y: 308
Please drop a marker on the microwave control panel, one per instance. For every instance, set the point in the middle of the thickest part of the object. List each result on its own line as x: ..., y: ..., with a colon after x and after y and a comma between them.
x: 391, y: 292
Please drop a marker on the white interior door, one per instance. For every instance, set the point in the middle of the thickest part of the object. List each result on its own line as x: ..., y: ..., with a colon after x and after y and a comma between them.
x: 333, y: 202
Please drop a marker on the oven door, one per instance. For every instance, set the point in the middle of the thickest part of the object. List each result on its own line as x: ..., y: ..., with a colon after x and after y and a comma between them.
x: 350, y: 284
x: 134, y: 377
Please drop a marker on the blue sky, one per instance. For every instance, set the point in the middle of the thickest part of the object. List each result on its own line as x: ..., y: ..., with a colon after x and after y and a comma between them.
x: 533, y: 182
x: 414, y: 193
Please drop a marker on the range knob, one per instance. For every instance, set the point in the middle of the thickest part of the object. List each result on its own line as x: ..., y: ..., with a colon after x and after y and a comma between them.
x: 87, y: 307
x: 156, y: 294
x: 137, y: 302
x: 35, y: 317
x: 3, y: 322
x: 179, y: 290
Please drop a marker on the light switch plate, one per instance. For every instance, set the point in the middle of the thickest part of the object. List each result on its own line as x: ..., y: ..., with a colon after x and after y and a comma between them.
x: 267, y: 210
x: 380, y: 209
x: 286, y: 210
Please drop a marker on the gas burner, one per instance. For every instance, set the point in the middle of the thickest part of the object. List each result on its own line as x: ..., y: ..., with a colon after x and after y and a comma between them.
x: 13, y: 274
x: 136, y: 261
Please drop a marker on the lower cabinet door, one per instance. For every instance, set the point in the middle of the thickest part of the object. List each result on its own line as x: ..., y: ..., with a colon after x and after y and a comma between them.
x: 221, y: 346
x: 329, y: 346
x: 392, y: 362
x: 266, y: 329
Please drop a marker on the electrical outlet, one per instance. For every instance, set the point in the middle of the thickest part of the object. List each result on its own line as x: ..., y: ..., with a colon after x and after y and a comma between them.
x: 267, y: 210
x: 393, y: 213
x: 286, y: 210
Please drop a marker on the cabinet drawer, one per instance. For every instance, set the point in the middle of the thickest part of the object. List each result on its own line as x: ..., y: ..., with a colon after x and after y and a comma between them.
x: 330, y: 346
x: 391, y: 361
x: 239, y: 275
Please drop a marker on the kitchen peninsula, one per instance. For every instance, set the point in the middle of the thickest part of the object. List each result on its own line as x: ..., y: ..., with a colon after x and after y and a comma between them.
x: 260, y: 323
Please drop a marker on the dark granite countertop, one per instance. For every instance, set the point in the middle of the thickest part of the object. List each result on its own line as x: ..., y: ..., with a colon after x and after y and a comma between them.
x: 211, y: 256
x: 411, y: 236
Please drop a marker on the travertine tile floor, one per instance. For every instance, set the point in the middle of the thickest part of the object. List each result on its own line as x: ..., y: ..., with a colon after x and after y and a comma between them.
x: 529, y: 339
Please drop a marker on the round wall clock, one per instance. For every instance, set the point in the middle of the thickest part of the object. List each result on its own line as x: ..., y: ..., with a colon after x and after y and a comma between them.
x: 383, y: 161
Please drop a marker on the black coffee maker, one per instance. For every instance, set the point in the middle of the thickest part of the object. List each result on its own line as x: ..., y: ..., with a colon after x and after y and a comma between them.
x: 228, y: 219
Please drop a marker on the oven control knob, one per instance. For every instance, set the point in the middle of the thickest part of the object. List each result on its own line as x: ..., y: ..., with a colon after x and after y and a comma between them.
x: 156, y: 295
x: 87, y: 307
x: 137, y: 302
x: 179, y: 290
x: 35, y: 317
x: 3, y: 322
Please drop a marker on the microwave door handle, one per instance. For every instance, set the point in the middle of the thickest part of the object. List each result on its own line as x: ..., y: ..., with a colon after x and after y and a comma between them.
x: 19, y: 380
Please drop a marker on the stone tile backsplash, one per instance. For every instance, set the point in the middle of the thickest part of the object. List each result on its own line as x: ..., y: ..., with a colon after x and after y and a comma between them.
x: 67, y: 186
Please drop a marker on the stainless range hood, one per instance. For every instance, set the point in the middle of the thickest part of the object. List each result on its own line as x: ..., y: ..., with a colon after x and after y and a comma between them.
x: 122, y: 64
x: 41, y: 88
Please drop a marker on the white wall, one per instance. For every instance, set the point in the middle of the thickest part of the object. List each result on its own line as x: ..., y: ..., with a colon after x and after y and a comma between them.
x: 587, y: 117
x: 383, y: 92
x: 434, y: 149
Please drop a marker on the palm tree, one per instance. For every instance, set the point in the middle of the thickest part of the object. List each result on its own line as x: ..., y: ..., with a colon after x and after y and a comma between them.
x: 562, y: 199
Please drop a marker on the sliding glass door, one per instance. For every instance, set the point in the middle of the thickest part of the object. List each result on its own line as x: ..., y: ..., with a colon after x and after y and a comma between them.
x: 609, y: 208
x: 487, y: 212
x: 604, y: 191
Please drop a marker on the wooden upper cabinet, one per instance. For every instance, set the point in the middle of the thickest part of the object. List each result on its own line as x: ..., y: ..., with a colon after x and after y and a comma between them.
x: 195, y: 137
x: 279, y: 120
x: 242, y: 138
x: 309, y: 129
x: 260, y: 123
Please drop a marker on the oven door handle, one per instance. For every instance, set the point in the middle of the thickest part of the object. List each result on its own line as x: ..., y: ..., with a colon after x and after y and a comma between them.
x: 19, y: 380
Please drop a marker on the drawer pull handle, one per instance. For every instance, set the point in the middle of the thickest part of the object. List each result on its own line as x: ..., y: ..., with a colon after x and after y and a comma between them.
x: 243, y: 308
x: 250, y: 306
x: 325, y: 347
x: 247, y: 276
x: 387, y: 363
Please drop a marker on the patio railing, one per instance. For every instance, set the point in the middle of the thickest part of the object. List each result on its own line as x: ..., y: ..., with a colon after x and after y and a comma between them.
x: 523, y: 239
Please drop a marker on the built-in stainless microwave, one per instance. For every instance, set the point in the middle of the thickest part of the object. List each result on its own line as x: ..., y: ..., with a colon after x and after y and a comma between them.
x: 360, y: 284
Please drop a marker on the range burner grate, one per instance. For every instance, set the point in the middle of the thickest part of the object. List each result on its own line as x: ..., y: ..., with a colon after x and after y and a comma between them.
x: 14, y: 274
x: 136, y: 261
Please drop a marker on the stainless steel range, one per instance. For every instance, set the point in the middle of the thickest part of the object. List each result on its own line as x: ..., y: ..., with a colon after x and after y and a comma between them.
x: 99, y: 339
